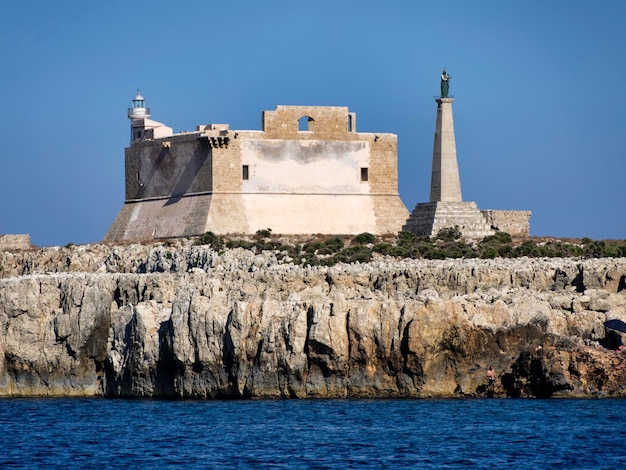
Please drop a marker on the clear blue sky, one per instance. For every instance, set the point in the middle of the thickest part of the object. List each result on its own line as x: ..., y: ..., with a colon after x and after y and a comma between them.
x: 539, y: 111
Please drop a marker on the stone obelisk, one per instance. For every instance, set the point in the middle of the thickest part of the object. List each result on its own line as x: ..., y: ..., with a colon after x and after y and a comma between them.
x: 446, y: 208
x: 445, y: 184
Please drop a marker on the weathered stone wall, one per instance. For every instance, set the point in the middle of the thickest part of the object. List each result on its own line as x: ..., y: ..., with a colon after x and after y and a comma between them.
x: 516, y: 223
x: 167, y: 168
x: 299, y: 182
x: 177, y: 320
x: 14, y: 242
x: 326, y: 122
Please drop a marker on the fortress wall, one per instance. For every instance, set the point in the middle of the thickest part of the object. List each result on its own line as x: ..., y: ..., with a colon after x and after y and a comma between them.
x: 305, y: 167
x: 516, y: 223
x: 310, y: 213
x: 384, y: 164
x: 226, y: 165
x: 299, y: 182
x: 160, y: 218
x: 14, y: 242
x: 326, y: 122
x: 163, y: 168
x: 389, y: 210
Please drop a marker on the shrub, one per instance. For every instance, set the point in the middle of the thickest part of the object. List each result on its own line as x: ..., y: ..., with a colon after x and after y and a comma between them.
x: 311, y: 247
x: 406, y: 239
x: 449, y: 233
x: 330, y: 246
x: 352, y: 254
x: 385, y: 249
x: 528, y: 248
x: 498, y: 237
x: 264, y: 233
x: 458, y: 249
x: 209, y: 238
x: 309, y: 259
x: 489, y: 252
x: 363, y: 239
x: 246, y: 245
x: 495, y: 245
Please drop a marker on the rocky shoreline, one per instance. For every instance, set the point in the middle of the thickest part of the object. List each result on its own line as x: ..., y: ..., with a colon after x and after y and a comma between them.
x: 177, y: 320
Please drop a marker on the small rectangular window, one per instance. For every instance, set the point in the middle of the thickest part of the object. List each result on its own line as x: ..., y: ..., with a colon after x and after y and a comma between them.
x: 245, y: 173
x: 364, y: 174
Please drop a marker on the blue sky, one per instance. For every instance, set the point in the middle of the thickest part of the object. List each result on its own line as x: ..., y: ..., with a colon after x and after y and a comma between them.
x: 539, y: 109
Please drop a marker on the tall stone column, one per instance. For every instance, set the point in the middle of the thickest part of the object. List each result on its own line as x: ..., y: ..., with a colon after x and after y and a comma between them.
x: 446, y: 208
x: 445, y: 184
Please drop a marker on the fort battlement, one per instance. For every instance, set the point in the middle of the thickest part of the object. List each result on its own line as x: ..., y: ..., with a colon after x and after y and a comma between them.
x: 14, y: 242
x: 307, y: 171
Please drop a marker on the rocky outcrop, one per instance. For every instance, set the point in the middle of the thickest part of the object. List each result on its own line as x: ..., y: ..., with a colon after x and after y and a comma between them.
x: 178, y: 320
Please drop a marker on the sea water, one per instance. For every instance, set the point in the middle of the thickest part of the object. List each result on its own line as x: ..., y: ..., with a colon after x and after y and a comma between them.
x: 512, y: 434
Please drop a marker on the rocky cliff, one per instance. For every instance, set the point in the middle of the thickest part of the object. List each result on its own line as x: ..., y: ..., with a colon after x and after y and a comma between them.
x: 178, y: 320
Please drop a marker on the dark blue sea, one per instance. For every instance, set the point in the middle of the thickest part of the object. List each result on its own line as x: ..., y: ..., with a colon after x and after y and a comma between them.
x: 115, y: 434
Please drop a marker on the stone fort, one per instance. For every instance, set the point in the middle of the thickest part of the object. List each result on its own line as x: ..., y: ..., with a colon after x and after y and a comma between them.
x: 308, y: 171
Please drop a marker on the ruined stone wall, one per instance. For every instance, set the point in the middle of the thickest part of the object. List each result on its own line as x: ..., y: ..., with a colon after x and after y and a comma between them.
x: 516, y: 223
x: 326, y: 122
x: 14, y: 242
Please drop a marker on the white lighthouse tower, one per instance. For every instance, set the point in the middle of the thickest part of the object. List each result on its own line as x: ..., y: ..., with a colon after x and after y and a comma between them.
x: 137, y: 113
x: 141, y: 127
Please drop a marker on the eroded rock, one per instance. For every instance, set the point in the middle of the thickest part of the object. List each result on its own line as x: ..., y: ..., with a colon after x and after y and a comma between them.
x: 184, y: 321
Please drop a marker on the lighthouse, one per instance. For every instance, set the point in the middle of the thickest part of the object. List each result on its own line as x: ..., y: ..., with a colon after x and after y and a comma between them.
x: 141, y: 126
x: 137, y: 113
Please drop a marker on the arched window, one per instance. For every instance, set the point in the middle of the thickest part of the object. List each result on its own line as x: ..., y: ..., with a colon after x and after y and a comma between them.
x: 303, y: 123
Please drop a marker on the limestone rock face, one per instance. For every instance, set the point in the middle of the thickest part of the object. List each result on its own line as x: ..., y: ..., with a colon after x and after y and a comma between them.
x: 185, y: 321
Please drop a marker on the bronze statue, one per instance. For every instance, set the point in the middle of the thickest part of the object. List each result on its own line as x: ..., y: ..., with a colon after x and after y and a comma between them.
x: 445, y: 83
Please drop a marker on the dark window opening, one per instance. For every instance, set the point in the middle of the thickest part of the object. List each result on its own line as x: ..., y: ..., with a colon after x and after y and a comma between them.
x: 349, y: 123
x: 245, y: 173
x: 364, y: 174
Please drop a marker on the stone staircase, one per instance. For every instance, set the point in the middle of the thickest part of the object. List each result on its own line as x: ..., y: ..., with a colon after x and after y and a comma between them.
x: 429, y: 217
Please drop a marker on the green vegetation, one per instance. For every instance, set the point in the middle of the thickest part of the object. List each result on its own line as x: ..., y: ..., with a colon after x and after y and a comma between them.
x: 209, y: 238
x: 321, y: 251
x: 363, y: 239
x: 264, y: 233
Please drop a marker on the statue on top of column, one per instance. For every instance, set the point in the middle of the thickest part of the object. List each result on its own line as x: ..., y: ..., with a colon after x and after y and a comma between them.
x: 445, y: 83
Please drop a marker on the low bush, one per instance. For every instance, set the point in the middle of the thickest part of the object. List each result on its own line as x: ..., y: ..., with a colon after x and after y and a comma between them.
x: 331, y: 246
x: 363, y: 239
x: 351, y: 254
x: 449, y: 233
x: 209, y: 238
x: 311, y: 247
x: 264, y: 233
x: 240, y: 244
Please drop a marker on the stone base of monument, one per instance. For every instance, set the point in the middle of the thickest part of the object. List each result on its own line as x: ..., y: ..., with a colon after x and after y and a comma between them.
x: 429, y: 217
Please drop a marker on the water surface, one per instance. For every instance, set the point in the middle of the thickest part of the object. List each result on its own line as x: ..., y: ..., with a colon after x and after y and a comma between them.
x: 512, y: 434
